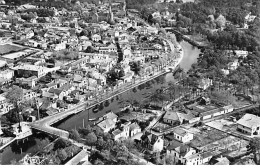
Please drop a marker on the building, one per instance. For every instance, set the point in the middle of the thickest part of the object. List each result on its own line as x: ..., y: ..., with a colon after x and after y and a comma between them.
x: 233, y: 65
x: 134, y: 129
x: 182, y: 135
x: 22, y: 130
x: 179, y: 152
x: 122, y: 133
x: 31, y: 70
x: 241, y: 53
x: 12, y: 57
x: 96, y: 37
x: 152, y: 142
x: 204, y: 83
x: 107, y: 125
x: 249, y: 124
x: 171, y: 117
x: 108, y: 49
x: 5, y: 107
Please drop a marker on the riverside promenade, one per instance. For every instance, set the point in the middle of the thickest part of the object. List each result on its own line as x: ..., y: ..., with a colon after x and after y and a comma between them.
x: 45, y: 123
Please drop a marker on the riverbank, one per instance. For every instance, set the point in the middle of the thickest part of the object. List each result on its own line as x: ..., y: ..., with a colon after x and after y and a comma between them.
x: 45, y: 124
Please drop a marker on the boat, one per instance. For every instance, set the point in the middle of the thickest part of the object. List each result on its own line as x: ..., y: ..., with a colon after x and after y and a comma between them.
x: 95, y: 109
x: 93, y: 119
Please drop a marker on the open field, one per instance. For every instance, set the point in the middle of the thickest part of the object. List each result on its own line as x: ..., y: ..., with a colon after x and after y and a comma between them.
x: 7, y: 48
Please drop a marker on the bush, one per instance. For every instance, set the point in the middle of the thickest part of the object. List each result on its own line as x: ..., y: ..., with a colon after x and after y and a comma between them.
x: 61, y: 144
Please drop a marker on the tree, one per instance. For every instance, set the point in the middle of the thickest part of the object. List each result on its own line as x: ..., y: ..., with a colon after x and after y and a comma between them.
x: 85, y: 131
x: 91, y: 139
x: 255, y: 147
x: 74, y: 134
x: 100, y: 143
x: 61, y: 143
x: 14, y: 96
x: 61, y: 153
x: 106, y: 103
x: 90, y: 49
x: 43, y: 144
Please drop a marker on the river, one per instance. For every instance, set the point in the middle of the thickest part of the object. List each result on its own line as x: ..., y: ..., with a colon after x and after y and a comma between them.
x: 30, y: 146
x: 191, y: 54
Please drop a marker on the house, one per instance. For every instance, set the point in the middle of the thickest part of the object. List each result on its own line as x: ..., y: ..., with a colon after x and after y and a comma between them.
x: 5, y: 107
x: 206, y: 156
x: 31, y: 81
x: 179, y: 152
x: 171, y: 117
x: 194, y: 159
x: 111, y: 116
x: 31, y: 70
x: 108, y: 49
x: 2, y: 63
x: 7, y: 74
x: 233, y: 65
x: 249, y: 124
x: 219, y: 161
x: 241, y: 53
x: 127, y: 78
x: 182, y: 135
x: 96, y: 37
x: 107, y: 125
x: 249, y: 17
x: 29, y: 94
x: 21, y: 130
x: 121, y: 133
x: 152, y: 142
x: 134, y: 128
x: 204, y: 83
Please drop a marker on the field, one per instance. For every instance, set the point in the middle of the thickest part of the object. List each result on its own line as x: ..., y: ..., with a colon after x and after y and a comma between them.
x: 8, y: 48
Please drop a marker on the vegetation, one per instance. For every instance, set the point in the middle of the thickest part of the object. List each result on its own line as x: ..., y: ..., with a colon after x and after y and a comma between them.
x: 66, y: 55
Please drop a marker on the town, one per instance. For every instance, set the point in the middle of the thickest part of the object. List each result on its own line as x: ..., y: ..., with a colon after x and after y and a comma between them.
x: 129, y: 82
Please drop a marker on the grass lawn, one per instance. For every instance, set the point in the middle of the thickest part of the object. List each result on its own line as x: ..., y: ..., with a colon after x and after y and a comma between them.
x: 7, y: 48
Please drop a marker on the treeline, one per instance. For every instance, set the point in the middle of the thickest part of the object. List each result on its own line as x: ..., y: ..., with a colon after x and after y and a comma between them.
x: 40, y: 12
x: 233, y: 39
x: 137, y: 4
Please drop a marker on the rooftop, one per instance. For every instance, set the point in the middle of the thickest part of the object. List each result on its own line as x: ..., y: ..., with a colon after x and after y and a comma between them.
x: 108, y: 123
x: 171, y: 115
x: 180, y: 131
x: 249, y: 120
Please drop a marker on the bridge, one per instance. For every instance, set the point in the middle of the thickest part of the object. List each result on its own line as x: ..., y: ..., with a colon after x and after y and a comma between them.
x: 44, y: 124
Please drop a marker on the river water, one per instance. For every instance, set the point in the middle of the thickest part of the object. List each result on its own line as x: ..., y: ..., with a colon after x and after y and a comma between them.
x: 139, y: 93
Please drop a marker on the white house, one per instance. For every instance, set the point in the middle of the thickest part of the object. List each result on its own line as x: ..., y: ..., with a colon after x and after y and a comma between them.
x: 182, y: 135
x: 204, y: 83
x: 5, y: 107
x: 96, y: 37
x: 107, y: 125
x: 180, y: 152
x: 7, y: 74
x: 249, y: 124
x: 241, y: 53
x: 108, y: 49
x: 23, y: 131
x: 122, y: 133
x: 233, y: 65
x: 134, y: 129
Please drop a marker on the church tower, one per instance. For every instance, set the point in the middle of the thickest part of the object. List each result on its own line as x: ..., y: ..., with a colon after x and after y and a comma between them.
x: 111, y: 15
